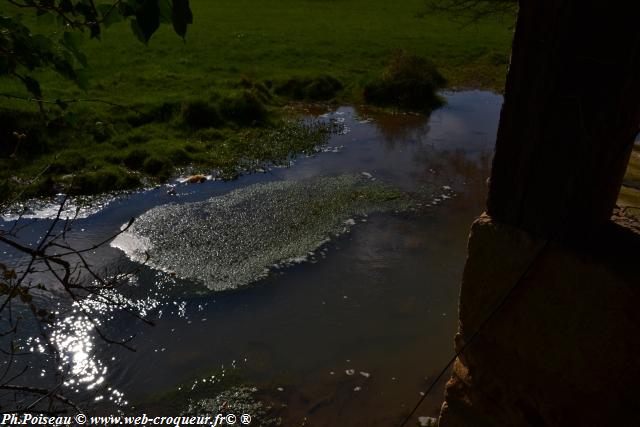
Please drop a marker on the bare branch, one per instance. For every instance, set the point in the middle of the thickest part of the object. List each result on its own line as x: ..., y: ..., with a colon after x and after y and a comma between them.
x: 37, y: 390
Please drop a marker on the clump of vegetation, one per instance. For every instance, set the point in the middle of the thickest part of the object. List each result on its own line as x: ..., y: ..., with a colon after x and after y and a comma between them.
x: 237, y: 400
x: 153, y: 152
x: 180, y: 155
x: 154, y: 113
x: 102, y: 181
x: 200, y: 114
x: 408, y: 81
x: 281, y: 143
x: 157, y: 166
x: 241, y: 109
x: 135, y: 158
x: 246, y: 109
x: 220, y: 391
x: 258, y: 89
x: 321, y: 88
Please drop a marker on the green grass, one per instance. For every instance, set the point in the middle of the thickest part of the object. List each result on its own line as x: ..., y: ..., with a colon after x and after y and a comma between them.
x: 240, y: 55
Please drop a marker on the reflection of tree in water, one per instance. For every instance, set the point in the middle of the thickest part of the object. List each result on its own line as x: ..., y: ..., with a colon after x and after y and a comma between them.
x: 401, y: 128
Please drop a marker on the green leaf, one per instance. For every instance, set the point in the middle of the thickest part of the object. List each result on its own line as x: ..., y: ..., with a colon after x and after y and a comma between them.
x: 147, y: 19
x: 32, y: 86
x: 46, y: 18
x: 110, y: 15
x: 128, y: 8
x: 43, y: 43
x: 138, y: 31
x: 82, y: 58
x: 165, y: 11
x: 72, y: 39
x: 95, y: 30
x: 66, y: 6
x: 181, y: 16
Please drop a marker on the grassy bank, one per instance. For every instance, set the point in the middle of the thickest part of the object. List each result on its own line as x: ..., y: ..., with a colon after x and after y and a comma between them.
x: 208, y: 101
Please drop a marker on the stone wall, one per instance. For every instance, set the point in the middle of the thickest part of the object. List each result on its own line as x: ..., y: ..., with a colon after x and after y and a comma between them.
x: 564, y: 348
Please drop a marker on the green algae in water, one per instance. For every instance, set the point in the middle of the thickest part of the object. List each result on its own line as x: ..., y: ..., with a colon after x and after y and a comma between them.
x: 237, y: 400
x: 232, y: 240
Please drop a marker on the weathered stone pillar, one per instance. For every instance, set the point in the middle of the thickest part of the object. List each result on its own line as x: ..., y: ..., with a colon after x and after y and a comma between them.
x: 571, y: 113
x: 562, y: 351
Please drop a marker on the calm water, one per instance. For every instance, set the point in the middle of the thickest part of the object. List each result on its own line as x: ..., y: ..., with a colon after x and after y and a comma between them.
x: 380, y: 299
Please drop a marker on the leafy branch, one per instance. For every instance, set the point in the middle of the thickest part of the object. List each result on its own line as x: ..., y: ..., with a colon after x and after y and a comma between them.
x: 22, y: 52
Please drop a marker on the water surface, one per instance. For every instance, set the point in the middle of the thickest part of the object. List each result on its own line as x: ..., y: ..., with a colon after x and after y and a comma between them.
x: 350, y: 336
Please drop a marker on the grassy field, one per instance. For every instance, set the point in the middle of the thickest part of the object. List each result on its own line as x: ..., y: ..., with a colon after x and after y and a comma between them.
x: 236, y: 53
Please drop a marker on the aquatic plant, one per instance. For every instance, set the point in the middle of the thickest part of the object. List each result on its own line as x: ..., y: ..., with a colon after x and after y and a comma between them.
x: 237, y: 400
x: 232, y: 240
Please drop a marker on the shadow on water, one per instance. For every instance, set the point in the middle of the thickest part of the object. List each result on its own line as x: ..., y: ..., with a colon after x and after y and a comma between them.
x: 353, y: 335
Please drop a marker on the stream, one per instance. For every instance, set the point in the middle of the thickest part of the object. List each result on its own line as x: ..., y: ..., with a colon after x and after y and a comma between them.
x: 330, y: 285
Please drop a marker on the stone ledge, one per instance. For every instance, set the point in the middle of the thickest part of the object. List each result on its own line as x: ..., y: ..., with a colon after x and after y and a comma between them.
x: 563, y: 350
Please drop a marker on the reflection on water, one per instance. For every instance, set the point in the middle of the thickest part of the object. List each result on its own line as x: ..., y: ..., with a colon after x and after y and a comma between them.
x: 381, y: 300
x: 402, y: 128
x: 73, y: 337
x: 77, y: 207
x: 77, y: 338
